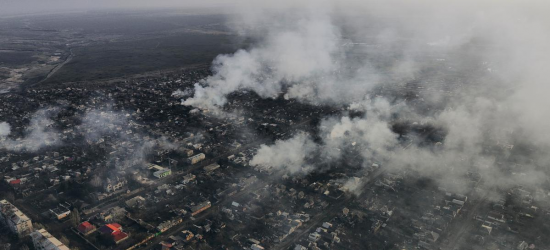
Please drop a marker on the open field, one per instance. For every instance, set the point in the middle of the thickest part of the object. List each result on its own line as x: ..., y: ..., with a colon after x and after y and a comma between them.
x: 46, y: 49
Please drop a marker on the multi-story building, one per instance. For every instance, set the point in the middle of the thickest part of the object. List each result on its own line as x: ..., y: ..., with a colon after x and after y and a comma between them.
x: 43, y: 240
x: 196, y: 158
x: 14, y: 219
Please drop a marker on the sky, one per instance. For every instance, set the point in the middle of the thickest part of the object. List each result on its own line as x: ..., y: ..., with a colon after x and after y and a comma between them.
x: 18, y: 7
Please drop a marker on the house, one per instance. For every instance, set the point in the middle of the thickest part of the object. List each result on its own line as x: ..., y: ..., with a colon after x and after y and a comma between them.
x: 114, y: 184
x: 86, y: 228
x: 15, y: 182
x: 188, y: 178
x: 187, y: 235
x: 136, y: 201
x: 313, y: 237
x: 119, y: 236
x: 110, y: 228
x: 112, y: 214
x: 115, y: 231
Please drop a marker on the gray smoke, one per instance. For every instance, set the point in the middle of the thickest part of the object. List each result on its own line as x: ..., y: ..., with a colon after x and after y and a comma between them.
x: 38, y: 134
x: 481, y: 66
x: 132, y: 147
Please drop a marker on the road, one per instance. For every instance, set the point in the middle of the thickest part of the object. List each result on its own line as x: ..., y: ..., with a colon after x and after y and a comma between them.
x: 59, y: 66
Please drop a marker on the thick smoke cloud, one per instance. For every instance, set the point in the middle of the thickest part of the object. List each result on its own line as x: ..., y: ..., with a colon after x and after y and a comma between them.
x: 481, y: 67
x: 286, y: 156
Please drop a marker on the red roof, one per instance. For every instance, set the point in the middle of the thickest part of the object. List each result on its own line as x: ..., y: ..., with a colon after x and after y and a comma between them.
x: 114, y: 226
x: 85, y: 226
x: 119, y: 236
x: 15, y: 182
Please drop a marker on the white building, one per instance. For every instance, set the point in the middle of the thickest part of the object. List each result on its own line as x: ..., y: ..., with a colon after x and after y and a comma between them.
x: 43, y: 240
x: 14, y: 219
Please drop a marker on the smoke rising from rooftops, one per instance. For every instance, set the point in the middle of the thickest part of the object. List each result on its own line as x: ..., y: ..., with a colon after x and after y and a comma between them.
x: 481, y: 66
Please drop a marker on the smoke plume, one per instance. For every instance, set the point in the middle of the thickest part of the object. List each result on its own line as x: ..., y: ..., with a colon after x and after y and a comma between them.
x: 475, y: 71
x: 38, y: 134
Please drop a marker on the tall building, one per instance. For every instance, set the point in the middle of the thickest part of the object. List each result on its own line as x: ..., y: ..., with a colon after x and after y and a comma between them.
x: 43, y: 240
x: 14, y: 219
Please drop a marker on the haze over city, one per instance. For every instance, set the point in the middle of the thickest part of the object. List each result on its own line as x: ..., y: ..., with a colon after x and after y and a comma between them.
x: 274, y: 125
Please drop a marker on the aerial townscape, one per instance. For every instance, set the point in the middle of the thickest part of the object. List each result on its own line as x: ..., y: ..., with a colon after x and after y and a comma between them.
x: 284, y: 125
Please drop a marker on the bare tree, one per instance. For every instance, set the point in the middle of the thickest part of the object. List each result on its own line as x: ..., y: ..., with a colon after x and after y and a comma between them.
x: 64, y: 240
x: 75, y: 217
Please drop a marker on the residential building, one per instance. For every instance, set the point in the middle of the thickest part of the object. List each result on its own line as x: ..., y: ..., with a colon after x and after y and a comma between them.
x: 43, y: 240
x: 86, y: 228
x: 200, y: 207
x: 114, y: 184
x: 14, y: 219
x: 115, y: 231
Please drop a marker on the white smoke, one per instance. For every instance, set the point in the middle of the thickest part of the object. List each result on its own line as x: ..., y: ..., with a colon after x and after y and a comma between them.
x: 481, y: 68
x: 303, y: 49
x: 38, y: 134
x: 182, y: 93
x: 290, y: 156
x: 5, y: 129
